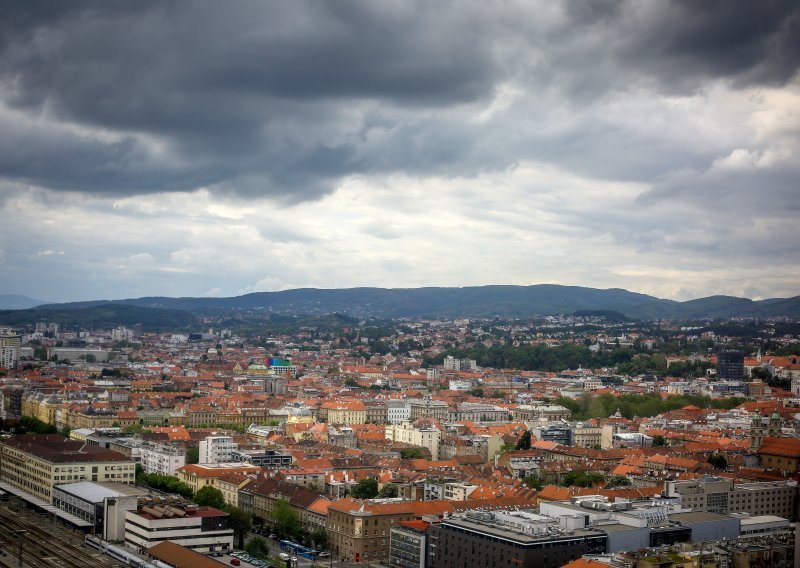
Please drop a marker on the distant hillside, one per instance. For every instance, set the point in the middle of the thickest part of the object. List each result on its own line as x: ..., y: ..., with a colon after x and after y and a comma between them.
x: 106, y: 316
x: 17, y: 302
x: 475, y: 301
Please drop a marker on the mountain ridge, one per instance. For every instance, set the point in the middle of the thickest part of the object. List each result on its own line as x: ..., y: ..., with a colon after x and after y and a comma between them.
x: 468, y: 301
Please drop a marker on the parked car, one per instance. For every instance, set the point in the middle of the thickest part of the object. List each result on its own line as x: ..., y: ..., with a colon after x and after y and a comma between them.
x: 273, y: 536
x: 235, y: 562
x: 283, y: 556
x: 324, y: 554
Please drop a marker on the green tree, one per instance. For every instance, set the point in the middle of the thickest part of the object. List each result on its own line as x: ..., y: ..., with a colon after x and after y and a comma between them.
x: 367, y: 488
x: 761, y: 373
x: 534, y: 481
x: 659, y: 441
x: 618, y: 481
x: 580, y: 478
x: 718, y: 461
x: 257, y: 547
x: 387, y: 491
x: 192, y: 455
x: 320, y: 539
x: 410, y: 453
x: 210, y: 497
x: 285, y: 518
x: 524, y: 442
x: 240, y: 521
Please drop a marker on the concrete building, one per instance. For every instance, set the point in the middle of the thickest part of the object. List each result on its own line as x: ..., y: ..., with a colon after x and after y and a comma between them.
x: 217, y: 449
x: 76, y: 354
x: 36, y: 464
x: 730, y: 365
x: 428, y: 408
x: 10, y: 348
x: 720, y: 495
x: 509, y: 538
x: 202, y: 529
x: 161, y: 458
x: 427, y: 437
x: 409, y: 545
x: 101, y: 504
x: 262, y: 458
x: 398, y: 411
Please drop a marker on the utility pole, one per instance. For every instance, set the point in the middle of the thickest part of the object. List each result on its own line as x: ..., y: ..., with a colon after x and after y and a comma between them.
x: 20, y: 533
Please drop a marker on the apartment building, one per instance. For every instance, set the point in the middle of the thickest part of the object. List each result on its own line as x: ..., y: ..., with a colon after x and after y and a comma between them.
x: 720, y: 495
x: 217, y: 449
x: 161, y: 459
x: 35, y: 464
x: 427, y: 437
x: 398, y: 411
x: 10, y: 348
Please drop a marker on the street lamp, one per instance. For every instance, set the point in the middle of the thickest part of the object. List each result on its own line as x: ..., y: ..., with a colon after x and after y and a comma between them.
x: 20, y: 533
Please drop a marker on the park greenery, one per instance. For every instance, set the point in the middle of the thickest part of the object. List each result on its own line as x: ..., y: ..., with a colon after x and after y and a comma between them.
x: 410, y: 453
x: 165, y: 483
x: 539, y: 357
x: 642, y: 405
x: 366, y: 488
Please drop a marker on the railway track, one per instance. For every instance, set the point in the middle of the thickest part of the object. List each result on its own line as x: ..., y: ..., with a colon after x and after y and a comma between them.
x: 40, y: 547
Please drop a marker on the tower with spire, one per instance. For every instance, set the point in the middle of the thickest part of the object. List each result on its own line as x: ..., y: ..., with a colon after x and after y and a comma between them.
x: 756, y: 432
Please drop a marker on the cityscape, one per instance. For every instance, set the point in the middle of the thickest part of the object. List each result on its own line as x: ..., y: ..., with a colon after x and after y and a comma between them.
x: 399, y: 284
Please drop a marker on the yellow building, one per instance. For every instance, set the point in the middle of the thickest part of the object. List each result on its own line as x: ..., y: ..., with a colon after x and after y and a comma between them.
x: 198, y: 475
x: 346, y: 412
x: 42, y: 407
x: 35, y: 464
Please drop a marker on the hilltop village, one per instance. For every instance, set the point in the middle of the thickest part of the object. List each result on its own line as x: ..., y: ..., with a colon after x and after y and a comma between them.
x: 573, y: 440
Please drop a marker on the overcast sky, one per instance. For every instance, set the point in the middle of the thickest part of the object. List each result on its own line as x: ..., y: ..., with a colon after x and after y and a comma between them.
x: 219, y: 148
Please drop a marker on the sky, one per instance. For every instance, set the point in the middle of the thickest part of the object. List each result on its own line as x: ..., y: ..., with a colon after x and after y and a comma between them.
x: 214, y: 148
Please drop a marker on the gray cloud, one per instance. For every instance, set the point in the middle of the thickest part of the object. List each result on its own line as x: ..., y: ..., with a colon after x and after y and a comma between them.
x: 308, y: 136
x: 277, y: 99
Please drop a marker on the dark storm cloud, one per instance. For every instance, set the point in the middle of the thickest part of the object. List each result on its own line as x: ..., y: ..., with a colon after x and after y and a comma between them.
x: 748, y: 42
x: 279, y: 98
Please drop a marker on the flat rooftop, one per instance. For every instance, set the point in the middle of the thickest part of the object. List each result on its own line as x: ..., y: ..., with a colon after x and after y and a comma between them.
x: 508, y: 533
x: 96, y: 492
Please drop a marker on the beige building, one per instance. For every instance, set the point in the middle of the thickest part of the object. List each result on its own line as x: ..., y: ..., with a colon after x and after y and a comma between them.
x: 720, y: 495
x: 427, y: 437
x: 586, y: 436
x: 198, y: 475
x: 35, y: 464
x: 346, y: 412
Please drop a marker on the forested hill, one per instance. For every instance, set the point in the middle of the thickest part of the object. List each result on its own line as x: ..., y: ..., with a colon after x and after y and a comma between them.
x: 103, y: 316
x: 475, y: 301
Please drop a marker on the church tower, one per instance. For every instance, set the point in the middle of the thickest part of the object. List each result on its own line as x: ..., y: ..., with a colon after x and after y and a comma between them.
x: 756, y: 432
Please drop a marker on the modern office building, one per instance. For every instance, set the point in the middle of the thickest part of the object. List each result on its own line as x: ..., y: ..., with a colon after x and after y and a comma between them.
x: 409, y: 545
x: 730, y: 365
x: 103, y: 505
x: 720, y: 495
x: 509, y: 538
x: 202, y: 529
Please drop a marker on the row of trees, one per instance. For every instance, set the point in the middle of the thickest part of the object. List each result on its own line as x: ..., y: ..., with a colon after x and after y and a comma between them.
x: 631, y: 405
x: 578, y: 478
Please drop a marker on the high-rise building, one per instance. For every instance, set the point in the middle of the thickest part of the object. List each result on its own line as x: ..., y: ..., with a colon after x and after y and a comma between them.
x: 730, y: 365
x: 10, y: 345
